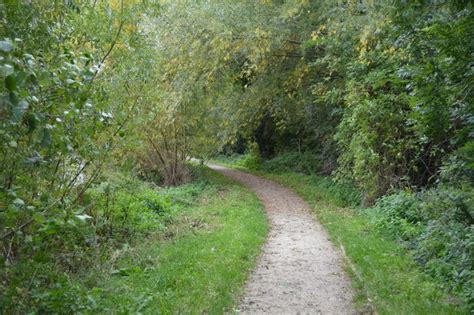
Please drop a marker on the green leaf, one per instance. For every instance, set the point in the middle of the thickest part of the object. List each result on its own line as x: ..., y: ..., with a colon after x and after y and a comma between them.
x: 44, y: 197
x: 18, y: 202
x: 20, y: 77
x: 20, y: 109
x: 46, y: 140
x: 31, y: 121
x: 6, y: 70
x: 10, y: 83
x: 13, y: 98
x: 39, y: 218
x: 6, y: 46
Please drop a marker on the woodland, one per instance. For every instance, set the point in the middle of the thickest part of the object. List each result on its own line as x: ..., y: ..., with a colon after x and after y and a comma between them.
x: 105, y: 105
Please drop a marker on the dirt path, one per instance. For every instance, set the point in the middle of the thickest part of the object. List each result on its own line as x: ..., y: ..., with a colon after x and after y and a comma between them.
x: 299, y: 271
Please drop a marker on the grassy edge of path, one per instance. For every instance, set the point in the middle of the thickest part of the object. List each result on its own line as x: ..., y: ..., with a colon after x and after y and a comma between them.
x: 386, y: 279
x: 199, y: 265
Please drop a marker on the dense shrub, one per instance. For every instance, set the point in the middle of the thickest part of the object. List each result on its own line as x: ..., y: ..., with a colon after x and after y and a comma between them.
x: 343, y: 195
x: 436, y: 225
x: 398, y: 215
x: 305, y: 162
x: 251, y: 161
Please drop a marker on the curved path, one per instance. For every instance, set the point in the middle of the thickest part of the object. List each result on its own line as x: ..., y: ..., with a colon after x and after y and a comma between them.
x: 299, y: 271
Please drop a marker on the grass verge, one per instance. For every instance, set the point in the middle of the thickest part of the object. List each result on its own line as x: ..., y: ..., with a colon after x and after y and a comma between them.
x: 197, y: 265
x: 385, y: 276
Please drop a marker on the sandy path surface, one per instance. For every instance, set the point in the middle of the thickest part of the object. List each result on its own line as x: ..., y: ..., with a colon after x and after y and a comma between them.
x: 300, y: 271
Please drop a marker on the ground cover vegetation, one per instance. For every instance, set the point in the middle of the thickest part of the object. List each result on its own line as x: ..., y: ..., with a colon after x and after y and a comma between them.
x: 101, y: 97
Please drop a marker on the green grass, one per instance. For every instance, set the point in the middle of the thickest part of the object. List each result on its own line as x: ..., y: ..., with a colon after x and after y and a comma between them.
x: 385, y: 277
x: 197, y: 265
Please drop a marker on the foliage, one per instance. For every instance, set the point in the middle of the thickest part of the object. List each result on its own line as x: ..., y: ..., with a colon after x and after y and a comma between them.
x: 304, y: 162
x: 384, y: 77
x: 436, y: 225
x: 63, y: 275
x: 395, y: 79
x: 64, y: 112
x: 250, y: 161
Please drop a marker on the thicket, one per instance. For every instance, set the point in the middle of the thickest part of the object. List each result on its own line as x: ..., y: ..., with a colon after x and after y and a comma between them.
x: 436, y: 226
x: 379, y: 92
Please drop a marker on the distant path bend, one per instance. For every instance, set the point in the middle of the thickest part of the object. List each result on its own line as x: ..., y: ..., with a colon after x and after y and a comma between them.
x: 300, y: 271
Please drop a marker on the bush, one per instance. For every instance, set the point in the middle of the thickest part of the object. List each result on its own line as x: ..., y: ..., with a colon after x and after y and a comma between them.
x: 306, y: 163
x: 437, y: 226
x: 250, y: 160
x: 398, y: 215
x: 342, y: 195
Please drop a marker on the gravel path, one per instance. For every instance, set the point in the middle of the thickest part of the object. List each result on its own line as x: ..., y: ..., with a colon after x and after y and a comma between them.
x: 299, y: 271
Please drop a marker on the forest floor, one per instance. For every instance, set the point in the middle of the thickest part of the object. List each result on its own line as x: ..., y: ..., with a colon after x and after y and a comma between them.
x: 300, y: 270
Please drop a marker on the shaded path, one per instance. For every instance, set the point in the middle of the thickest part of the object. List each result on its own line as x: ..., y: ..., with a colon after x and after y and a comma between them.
x: 299, y: 271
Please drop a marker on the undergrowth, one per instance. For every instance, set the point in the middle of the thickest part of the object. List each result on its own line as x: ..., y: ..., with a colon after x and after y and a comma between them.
x: 198, y: 265
x: 124, y: 232
x: 436, y: 225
